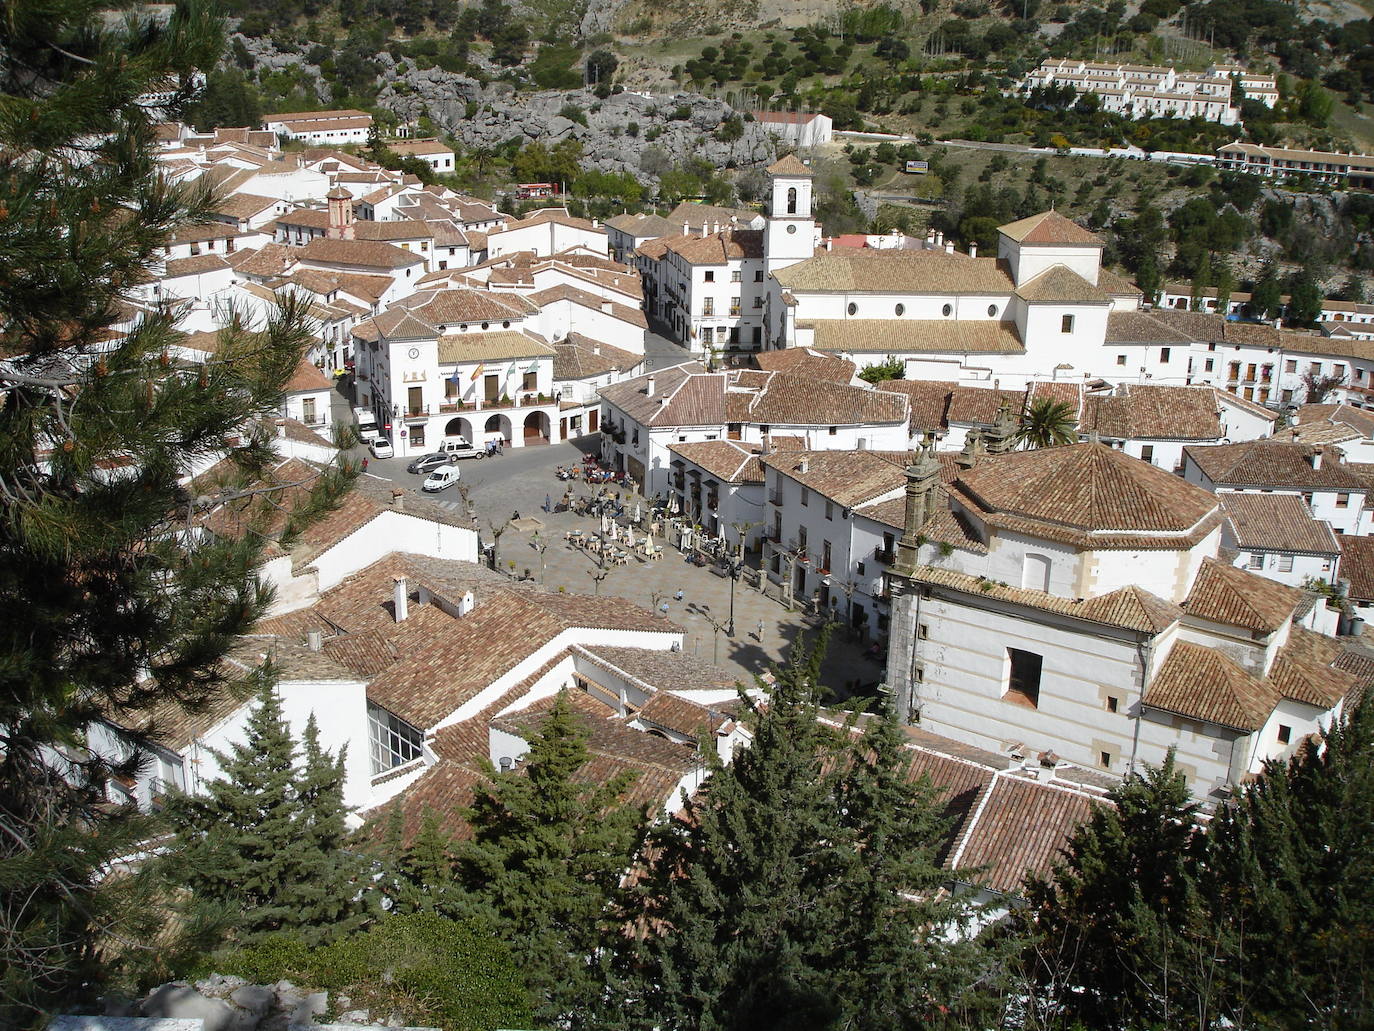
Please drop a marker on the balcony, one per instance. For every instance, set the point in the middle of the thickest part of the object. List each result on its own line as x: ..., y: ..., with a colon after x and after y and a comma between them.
x: 415, y: 413
x: 884, y: 555
x: 775, y: 498
x: 678, y: 481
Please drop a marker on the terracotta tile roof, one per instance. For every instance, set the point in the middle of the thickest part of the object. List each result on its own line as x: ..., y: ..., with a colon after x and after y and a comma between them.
x: 1299, y: 675
x: 1019, y: 827
x: 1357, y: 418
x: 1235, y: 597
x: 1090, y: 487
x: 307, y: 379
x: 1227, y: 398
x: 684, y: 395
x: 1357, y: 566
x: 244, y: 205
x: 1320, y: 433
x: 804, y: 361
x: 1130, y: 608
x: 581, y: 357
x: 727, y: 460
x: 362, y: 253
x: 1267, y: 463
x: 1276, y: 522
x: 1204, y: 684
x: 1117, y: 285
x: 271, y: 259
x: 680, y: 716
x: 1061, y: 285
x: 198, y: 265
x: 366, y: 653
x: 717, y: 248
x: 544, y: 216
x: 1147, y: 412
x: 567, y: 292
x: 663, y: 670
x: 789, y: 165
x: 893, y: 271
x: 929, y: 400
x: 1138, y: 327
x: 458, y: 306
x: 789, y: 399
x: 643, y: 227
x: 496, y: 346
x: 394, y: 324
x: 848, y: 478
x: 914, y: 336
x: 1048, y: 228
x: 978, y: 406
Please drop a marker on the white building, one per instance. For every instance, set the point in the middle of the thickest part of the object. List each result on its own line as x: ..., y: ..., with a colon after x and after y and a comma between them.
x: 1333, y: 493
x: 1275, y: 535
x: 1148, y: 91
x: 796, y: 128
x: 324, y: 128
x: 642, y: 417
x: 1089, y: 619
x: 545, y: 232
x: 438, y: 156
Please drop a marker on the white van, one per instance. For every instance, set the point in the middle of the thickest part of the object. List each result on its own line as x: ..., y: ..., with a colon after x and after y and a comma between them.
x: 366, y: 424
x: 440, y: 479
x: 458, y: 447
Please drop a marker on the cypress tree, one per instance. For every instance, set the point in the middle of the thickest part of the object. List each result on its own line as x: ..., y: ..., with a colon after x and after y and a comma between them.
x: 737, y: 927
x: 325, y: 901
x: 243, y: 840
x: 546, y: 857
x: 1293, y: 867
x: 1112, y: 935
x: 904, y: 956
x: 121, y: 609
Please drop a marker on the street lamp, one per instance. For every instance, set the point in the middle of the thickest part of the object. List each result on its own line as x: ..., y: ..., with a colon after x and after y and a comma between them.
x: 734, y: 565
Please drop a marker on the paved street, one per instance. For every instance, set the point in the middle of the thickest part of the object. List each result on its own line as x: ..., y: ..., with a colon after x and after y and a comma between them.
x: 520, y: 480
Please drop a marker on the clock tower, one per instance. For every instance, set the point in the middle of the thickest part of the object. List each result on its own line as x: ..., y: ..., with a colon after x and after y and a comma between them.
x: 790, y: 236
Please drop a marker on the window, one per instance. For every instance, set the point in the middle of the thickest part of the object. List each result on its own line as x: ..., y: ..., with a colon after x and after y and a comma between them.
x: 992, y: 311
x: 710, y: 276
x: 1035, y: 572
x: 1113, y: 703
x: 923, y: 631
x: 1121, y: 359
x: 1290, y: 366
x: 1342, y: 500
x: 734, y: 306
x: 1147, y: 453
x: 1066, y: 324
x: 758, y: 302
x: 1023, y: 677
x: 1285, y: 563
x: 834, y: 430
x: 530, y: 381
x: 736, y: 276
x: 393, y: 742
x: 758, y: 276
x: 805, y: 497
x: 1208, y: 364
x: 1164, y: 356
x: 1285, y: 734
x: 947, y: 310
x: 829, y: 509
x: 708, y: 306
x: 792, y: 200
x: 853, y: 308
x: 1105, y: 759
x: 1255, y: 562
x: 899, y: 310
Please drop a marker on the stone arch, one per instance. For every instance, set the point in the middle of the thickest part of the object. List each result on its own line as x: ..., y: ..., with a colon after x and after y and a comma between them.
x: 536, y: 428
x: 459, y: 428
x: 791, y: 200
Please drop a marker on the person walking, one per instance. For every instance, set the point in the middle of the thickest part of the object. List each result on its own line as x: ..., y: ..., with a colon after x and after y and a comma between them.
x: 548, y: 503
x: 758, y: 632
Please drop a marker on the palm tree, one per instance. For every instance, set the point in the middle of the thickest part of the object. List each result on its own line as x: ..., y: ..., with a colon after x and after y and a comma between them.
x: 1047, y: 423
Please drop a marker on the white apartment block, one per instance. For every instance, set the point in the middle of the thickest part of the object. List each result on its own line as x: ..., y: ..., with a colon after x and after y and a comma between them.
x: 1149, y: 91
x: 323, y: 128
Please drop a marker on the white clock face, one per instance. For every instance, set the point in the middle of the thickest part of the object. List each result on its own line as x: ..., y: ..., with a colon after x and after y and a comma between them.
x: 415, y: 352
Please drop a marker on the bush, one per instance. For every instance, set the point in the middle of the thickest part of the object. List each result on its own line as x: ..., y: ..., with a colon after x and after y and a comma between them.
x: 573, y: 113
x: 435, y: 971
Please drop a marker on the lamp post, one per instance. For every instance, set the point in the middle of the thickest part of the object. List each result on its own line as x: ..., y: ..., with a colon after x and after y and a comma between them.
x: 735, y: 565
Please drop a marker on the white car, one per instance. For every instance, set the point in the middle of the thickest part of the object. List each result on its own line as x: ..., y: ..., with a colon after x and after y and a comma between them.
x: 381, y: 448
x: 440, y: 479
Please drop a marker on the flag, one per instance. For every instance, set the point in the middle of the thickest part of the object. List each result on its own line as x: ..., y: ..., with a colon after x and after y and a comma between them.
x: 477, y: 372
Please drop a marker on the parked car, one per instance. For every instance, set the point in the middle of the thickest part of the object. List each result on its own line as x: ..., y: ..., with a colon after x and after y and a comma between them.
x: 440, y: 479
x: 428, y: 463
x: 460, y: 447
x: 381, y: 448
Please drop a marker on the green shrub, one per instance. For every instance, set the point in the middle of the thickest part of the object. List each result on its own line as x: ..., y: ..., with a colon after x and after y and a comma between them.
x: 435, y: 971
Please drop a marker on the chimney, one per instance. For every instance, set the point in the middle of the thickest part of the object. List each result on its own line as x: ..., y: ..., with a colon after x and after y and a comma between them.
x: 1315, y: 459
x: 465, y: 603
x: 1048, y: 762
x: 397, y: 496
x: 281, y: 427
x: 829, y: 243
x: 596, y: 223
x: 939, y: 238
x: 973, y: 249
x: 506, y: 764
x: 686, y: 229
x: 767, y: 443
x: 606, y: 307
x: 649, y: 387
x: 314, y: 640
x: 596, y: 348
x: 949, y: 246
x: 803, y: 466
x: 400, y: 598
